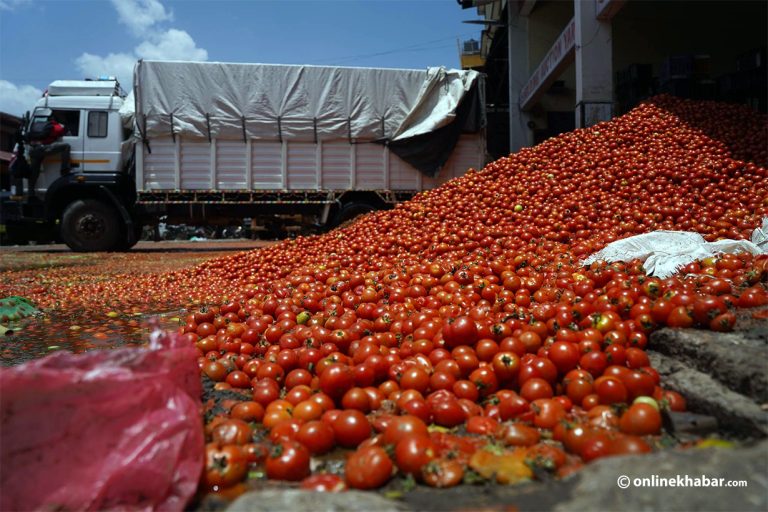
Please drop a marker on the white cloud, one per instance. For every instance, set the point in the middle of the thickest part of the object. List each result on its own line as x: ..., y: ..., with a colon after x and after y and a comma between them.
x: 119, y: 65
x: 171, y: 45
x: 17, y: 99
x: 140, y: 16
x: 9, y: 5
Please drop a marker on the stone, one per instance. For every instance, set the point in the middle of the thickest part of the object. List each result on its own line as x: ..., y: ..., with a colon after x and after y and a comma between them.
x: 295, y: 500
x: 736, y: 414
x: 736, y: 359
x: 596, y: 486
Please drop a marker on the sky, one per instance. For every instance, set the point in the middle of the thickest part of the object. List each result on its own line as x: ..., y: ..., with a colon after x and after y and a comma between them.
x: 46, y: 40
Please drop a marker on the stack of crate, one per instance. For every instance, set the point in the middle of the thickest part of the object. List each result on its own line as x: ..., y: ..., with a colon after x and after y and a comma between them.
x: 748, y: 84
x: 687, y: 76
x: 634, y: 84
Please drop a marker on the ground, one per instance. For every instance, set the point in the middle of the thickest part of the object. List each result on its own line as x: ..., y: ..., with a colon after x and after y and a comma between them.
x: 722, y: 375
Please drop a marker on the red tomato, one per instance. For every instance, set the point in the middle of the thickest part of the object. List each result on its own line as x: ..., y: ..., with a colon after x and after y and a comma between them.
x: 224, y: 465
x: 350, y: 428
x: 368, y: 468
x: 413, y: 452
x: 640, y: 419
x: 288, y: 460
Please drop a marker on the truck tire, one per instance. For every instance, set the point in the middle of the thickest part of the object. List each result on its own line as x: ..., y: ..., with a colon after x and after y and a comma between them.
x: 349, y: 212
x: 124, y: 244
x: 90, y: 225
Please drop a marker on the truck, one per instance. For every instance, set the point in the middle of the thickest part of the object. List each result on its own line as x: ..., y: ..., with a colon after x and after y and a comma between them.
x: 288, y: 146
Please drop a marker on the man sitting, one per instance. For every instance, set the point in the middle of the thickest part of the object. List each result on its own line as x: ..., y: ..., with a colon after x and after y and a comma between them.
x: 44, y: 141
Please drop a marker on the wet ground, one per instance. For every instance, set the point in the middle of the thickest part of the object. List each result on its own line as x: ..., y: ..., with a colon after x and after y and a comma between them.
x: 80, y: 329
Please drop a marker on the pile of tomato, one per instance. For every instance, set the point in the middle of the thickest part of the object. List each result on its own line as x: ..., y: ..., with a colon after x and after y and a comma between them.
x: 458, y: 337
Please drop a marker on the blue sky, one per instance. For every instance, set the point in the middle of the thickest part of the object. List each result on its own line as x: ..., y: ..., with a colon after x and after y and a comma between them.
x: 45, y: 40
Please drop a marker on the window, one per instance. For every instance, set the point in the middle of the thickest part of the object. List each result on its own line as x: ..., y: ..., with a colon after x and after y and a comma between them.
x: 97, y: 124
x: 70, y: 119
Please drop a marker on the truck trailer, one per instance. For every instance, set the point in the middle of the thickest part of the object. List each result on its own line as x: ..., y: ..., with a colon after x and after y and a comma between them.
x: 212, y: 143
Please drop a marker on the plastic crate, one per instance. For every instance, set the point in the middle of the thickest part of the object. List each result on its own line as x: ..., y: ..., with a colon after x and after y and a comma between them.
x: 676, y: 67
x: 701, y: 66
x: 680, y: 87
x: 635, y: 74
x: 704, y: 90
x: 750, y: 60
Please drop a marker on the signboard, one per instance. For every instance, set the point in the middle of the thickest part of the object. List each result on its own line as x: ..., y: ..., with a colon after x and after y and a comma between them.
x: 560, y: 55
x: 607, y: 9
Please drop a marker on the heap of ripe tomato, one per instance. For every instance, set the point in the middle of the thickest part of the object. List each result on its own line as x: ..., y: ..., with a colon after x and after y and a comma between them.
x: 467, y: 309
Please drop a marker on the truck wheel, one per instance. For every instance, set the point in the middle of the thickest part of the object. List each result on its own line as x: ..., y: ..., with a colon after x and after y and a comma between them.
x: 348, y: 212
x: 90, y: 225
x: 124, y: 245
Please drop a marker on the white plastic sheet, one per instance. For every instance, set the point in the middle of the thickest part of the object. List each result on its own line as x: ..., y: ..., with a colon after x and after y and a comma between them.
x: 665, y: 252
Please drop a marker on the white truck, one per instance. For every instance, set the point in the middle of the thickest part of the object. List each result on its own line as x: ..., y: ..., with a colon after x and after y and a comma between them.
x: 209, y: 143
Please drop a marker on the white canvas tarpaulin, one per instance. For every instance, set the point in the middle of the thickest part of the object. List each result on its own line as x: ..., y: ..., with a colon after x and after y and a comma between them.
x: 269, y: 101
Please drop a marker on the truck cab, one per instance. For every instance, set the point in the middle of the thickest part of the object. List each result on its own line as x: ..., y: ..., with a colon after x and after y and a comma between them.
x: 89, y: 111
x: 89, y: 207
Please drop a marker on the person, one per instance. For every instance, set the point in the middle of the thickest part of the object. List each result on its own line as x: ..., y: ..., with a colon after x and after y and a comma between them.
x: 46, y: 142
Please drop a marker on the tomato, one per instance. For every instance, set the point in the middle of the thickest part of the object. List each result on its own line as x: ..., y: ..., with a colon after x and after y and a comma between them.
x: 505, y: 365
x: 350, y: 428
x: 284, y: 430
x: 460, y: 331
x: 485, y: 380
x: 512, y: 407
x: 404, y: 426
x: 448, y: 413
x: 316, y: 436
x: 442, y: 473
x: 565, y: 356
x: 640, y: 419
x: 416, y: 378
x: 482, y: 425
x: 518, y: 434
x: 638, y: 383
x: 546, y: 456
x: 336, y: 380
x: 288, y: 460
x: 368, y: 468
x: 628, y: 445
x: 233, y: 431
x: 357, y: 398
x: 752, y: 297
x: 706, y: 308
x: 215, y: 371
x: 547, y: 412
x: 238, y: 379
x: 723, y: 322
x: 412, y: 452
x: 224, y: 465
x: 324, y: 482
x: 594, y: 362
x: 679, y: 317
x: 674, y: 401
x: 610, y: 390
x: 536, y: 388
x: 595, y: 445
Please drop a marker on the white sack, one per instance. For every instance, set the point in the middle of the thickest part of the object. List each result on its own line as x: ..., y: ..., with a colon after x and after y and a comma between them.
x: 665, y: 252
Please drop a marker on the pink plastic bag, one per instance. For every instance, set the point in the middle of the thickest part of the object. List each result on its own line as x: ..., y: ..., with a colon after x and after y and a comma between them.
x: 116, y: 429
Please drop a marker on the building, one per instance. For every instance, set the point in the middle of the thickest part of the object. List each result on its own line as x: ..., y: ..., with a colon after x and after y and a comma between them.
x: 573, y: 63
x: 9, y: 124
